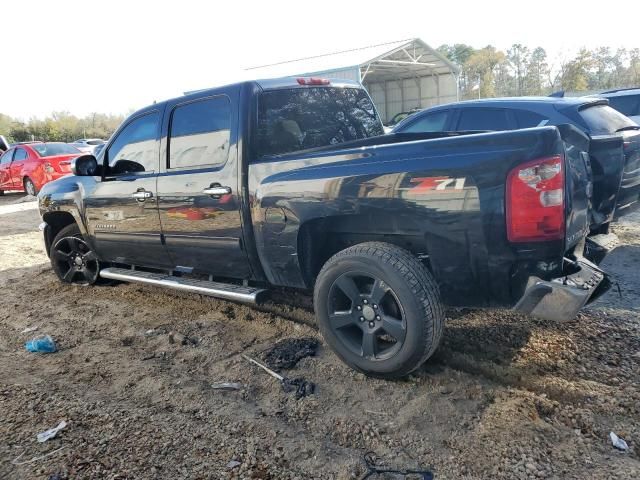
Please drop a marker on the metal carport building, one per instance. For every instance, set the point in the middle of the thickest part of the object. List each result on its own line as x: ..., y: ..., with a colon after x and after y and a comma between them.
x: 399, y: 75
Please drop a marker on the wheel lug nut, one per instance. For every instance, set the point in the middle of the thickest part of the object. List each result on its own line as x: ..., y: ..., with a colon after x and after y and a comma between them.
x: 362, y: 319
x: 371, y: 324
x: 358, y: 307
x: 377, y: 317
x: 375, y: 306
x: 365, y: 301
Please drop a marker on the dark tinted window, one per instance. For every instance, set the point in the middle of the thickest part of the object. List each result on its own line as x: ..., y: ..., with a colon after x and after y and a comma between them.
x: 6, y: 157
x: 51, y: 149
x: 430, y: 122
x: 301, y: 118
x: 200, y: 133
x: 138, y: 144
x: 21, y: 154
x: 527, y: 119
x: 627, y: 104
x: 602, y: 119
x: 483, y: 119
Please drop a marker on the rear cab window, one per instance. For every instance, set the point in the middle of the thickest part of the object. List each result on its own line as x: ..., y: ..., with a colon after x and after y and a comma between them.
x: 294, y: 119
x: 602, y: 119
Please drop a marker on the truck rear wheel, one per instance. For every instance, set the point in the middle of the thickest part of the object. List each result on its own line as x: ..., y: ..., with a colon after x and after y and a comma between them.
x: 72, y: 259
x: 379, y: 309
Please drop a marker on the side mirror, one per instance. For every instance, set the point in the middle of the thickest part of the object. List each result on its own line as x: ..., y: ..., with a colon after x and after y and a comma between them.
x: 84, y: 166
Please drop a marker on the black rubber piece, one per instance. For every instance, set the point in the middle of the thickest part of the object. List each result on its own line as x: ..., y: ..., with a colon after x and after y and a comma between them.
x: 415, y: 290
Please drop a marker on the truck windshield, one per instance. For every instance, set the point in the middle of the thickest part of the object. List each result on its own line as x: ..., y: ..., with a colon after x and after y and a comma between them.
x: 300, y: 118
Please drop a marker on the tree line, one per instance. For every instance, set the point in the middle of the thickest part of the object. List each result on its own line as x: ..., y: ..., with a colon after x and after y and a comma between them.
x: 521, y: 70
x: 484, y: 72
x: 59, y: 127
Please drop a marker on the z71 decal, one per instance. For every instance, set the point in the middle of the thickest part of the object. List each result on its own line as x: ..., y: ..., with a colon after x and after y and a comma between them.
x: 436, y: 184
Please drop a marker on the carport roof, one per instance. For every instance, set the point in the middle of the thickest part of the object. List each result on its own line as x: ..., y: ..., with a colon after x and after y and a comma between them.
x: 387, y: 61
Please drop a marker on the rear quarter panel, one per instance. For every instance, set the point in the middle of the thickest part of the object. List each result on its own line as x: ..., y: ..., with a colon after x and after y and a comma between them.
x: 442, y: 199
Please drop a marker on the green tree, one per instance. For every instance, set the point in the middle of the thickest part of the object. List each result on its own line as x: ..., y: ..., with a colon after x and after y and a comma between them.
x: 575, y: 73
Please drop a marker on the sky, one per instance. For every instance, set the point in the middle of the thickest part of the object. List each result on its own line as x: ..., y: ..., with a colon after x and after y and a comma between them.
x: 116, y: 56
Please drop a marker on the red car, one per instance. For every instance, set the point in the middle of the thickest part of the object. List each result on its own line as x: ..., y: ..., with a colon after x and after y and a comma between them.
x: 28, y: 167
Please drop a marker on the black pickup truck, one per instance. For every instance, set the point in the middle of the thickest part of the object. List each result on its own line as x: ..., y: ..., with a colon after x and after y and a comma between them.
x: 290, y: 184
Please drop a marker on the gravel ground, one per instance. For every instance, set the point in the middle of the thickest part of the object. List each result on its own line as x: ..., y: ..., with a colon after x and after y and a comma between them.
x: 505, y: 396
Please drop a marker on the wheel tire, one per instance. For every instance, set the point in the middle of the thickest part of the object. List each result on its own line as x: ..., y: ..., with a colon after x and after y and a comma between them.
x: 30, y: 187
x: 72, y: 259
x: 409, y: 303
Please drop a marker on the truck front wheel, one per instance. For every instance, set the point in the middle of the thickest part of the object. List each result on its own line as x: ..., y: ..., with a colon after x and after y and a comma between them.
x: 379, y: 309
x: 72, y: 259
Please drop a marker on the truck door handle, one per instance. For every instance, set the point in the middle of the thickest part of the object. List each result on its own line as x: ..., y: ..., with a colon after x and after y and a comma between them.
x: 142, y: 195
x: 217, y: 190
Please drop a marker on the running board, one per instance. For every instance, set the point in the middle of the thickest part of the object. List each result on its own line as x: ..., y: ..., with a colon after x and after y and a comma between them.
x: 225, y: 291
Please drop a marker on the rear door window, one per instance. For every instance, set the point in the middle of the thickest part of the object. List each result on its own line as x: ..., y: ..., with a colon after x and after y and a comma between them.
x: 430, y: 122
x: 528, y: 119
x: 199, y: 133
x: 21, y: 154
x: 484, y: 119
x: 602, y: 119
x: 627, y: 104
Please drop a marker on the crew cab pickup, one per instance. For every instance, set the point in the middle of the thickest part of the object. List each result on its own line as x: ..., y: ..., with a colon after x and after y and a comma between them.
x: 291, y: 184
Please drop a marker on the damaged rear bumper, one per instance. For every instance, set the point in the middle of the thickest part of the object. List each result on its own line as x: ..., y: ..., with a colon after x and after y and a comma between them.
x: 562, y: 298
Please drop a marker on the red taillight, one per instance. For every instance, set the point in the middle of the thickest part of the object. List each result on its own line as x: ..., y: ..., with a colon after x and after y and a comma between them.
x: 535, y: 201
x: 313, y: 81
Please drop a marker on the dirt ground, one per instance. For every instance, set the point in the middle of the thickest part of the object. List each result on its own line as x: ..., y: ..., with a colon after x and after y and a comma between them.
x: 505, y: 396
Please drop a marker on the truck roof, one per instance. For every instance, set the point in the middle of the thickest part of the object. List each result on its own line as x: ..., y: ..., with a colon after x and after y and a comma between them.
x: 264, y: 84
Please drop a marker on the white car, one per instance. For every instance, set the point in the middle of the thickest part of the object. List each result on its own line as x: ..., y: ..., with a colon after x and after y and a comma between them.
x: 87, y: 145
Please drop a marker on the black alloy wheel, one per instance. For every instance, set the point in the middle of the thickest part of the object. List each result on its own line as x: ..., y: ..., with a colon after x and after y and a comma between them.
x: 378, y: 307
x: 72, y: 259
x: 366, y: 315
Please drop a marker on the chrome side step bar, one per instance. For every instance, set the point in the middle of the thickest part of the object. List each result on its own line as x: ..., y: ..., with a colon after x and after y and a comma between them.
x: 225, y: 291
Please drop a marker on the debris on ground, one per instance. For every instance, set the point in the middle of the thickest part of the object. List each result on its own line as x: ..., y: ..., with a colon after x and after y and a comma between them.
x: 618, y: 442
x: 287, y: 353
x: 52, y: 432
x: 373, y: 470
x: 41, y: 344
x: 226, y: 386
x: 301, y: 386
x: 233, y: 464
x: 30, y: 329
x: 16, y: 461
